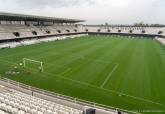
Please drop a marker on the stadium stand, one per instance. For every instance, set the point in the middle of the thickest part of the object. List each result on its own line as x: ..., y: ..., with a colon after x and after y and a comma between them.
x: 19, y: 30
x: 17, y: 98
x: 161, y: 40
x: 126, y: 30
x: 35, y: 40
x: 15, y: 102
x: 16, y: 26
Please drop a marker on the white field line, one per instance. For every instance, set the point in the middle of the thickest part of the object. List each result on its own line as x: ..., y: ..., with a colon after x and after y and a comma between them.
x: 134, y: 97
x: 46, y: 51
x: 11, y: 55
x: 78, y: 56
x: 67, y: 70
x: 108, y: 90
x: 109, y: 76
x: 74, y: 56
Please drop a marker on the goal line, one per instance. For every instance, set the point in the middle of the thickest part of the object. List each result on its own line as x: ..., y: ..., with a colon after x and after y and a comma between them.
x: 25, y: 60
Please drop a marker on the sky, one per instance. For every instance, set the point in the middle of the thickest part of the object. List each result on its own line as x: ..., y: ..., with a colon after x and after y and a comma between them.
x: 93, y: 11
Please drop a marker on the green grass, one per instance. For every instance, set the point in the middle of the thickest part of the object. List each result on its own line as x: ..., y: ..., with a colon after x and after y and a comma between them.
x: 119, y: 72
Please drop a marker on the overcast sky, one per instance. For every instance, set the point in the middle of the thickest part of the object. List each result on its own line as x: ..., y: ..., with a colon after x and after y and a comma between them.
x: 93, y: 11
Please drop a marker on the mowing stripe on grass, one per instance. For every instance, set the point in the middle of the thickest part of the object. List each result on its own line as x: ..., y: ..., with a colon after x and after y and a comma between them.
x: 88, y: 84
x: 134, y: 97
x: 109, y: 76
x: 67, y: 70
x: 91, y: 64
x: 113, y: 91
x: 109, y: 90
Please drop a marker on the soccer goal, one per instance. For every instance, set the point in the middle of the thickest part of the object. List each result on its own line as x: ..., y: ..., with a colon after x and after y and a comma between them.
x: 33, y: 64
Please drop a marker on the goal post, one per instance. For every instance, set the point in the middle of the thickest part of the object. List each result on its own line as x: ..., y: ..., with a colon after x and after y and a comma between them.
x: 40, y: 66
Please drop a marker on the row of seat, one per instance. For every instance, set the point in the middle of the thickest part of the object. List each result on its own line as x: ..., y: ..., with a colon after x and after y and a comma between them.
x: 161, y: 40
x: 149, y: 30
x: 15, y: 31
x: 20, y: 103
x: 34, y: 41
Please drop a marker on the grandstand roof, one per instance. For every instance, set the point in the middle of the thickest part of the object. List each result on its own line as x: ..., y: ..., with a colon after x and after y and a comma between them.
x: 21, y: 17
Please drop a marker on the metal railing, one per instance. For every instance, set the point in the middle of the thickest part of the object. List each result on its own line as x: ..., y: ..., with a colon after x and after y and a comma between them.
x: 64, y: 97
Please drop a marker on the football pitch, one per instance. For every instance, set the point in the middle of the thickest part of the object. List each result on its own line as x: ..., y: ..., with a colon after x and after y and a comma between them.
x: 120, y: 72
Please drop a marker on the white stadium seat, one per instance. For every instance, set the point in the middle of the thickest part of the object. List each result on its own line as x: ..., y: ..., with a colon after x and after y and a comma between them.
x: 19, y: 103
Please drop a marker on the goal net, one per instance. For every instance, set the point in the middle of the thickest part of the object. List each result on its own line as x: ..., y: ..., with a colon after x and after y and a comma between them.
x: 33, y: 64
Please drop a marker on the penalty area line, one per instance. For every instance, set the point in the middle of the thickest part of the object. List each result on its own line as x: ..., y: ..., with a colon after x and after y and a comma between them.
x: 90, y: 85
x: 109, y: 76
x: 108, y: 90
x: 67, y: 70
x: 134, y: 97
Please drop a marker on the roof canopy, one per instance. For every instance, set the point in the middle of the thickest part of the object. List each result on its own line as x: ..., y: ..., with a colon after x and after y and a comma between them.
x: 22, y: 17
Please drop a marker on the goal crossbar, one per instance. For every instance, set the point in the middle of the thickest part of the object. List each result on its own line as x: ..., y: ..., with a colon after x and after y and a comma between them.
x: 35, y: 61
